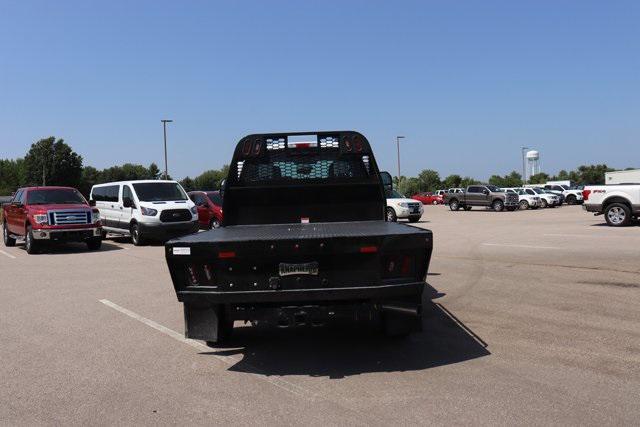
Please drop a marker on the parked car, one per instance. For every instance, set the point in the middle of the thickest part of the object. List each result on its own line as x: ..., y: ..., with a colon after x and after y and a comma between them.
x: 525, y: 200
x: 209, y: 204
x: 400, y: 207
x: 571, y: 196
x: 441, y: 192
x: 145, y: 209
x: 50, y: 214
x: 547, y: 200
x: 428, y: 198
x: 620, y: 203
x: 488, y: 196
x: 304, y: 241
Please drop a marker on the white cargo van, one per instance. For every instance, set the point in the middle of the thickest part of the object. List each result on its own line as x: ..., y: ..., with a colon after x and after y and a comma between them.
x: 145, y: 210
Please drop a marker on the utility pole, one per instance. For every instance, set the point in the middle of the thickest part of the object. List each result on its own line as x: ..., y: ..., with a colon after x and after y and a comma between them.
x: 398, y: 138
x: 164, y: 126
x: 524, y: 165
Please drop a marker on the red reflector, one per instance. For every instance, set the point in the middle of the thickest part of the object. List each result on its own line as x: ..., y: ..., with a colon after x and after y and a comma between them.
x: 228, y: 254
x: 585, y: 194
x: 303, y: 145
x: 368, y: 249
x: 406, y: 265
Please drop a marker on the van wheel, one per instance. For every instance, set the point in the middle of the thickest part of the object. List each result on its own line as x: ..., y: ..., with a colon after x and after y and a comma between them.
x: 497, y: 205
x: 454, y: 205
x: 617, y: 215
x: 8, y: 240
x: 94, y: 243
x: 391, y: 215
x: 136, y: 237
x: 543, y: 203
x: 524, y: 205
x: 29, y: 242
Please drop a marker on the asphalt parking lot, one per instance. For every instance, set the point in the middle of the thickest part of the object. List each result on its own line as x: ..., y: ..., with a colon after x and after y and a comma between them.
x: 530, y: 318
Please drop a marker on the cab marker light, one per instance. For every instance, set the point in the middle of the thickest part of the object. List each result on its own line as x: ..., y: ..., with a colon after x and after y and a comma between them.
x: 368, y: 249
x: 226, y: 254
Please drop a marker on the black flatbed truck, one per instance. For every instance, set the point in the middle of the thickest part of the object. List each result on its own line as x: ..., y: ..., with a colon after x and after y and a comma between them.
x: 303, y: 241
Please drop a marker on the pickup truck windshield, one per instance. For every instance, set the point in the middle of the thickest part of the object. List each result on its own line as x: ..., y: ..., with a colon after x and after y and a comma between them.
x: 159, y: 192
x: 51, y: 197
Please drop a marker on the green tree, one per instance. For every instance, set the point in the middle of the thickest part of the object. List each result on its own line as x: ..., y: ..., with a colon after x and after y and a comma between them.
x: 467, y: 181
x: 539, y: 178
x: 51, y: 162
x: 187, y: 184
x: 12, y: 176
x: 593, y: 174
x: 409, y: 186
x: 210, y: 180
x: 514, y: 179
x: 154, y: 172
x: 90, y: 177
x: 429, y: 180
x: 452, y: 181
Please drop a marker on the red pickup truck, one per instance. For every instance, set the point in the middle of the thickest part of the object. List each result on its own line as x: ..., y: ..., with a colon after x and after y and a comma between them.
x: 50, y: 214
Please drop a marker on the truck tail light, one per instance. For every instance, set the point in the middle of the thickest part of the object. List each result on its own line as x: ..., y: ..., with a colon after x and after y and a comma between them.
x: 193, y: 276
x: 226, y: 254
x: 585, y: 194
x: 398, y: 266
x: 368, y: 249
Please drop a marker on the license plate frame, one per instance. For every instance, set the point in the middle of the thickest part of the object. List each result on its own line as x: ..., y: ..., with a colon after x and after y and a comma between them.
x: 298, y: 269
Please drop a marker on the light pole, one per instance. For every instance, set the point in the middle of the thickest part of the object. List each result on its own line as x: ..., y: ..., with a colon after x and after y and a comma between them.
x: 524, y: 165
x: 164, y: 126
x: 398, y: 138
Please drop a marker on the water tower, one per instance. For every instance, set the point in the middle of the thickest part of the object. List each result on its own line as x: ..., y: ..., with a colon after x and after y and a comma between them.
x: 533, y: 163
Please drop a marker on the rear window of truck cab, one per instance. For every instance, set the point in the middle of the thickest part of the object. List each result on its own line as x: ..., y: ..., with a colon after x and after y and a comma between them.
x: 61, y: 196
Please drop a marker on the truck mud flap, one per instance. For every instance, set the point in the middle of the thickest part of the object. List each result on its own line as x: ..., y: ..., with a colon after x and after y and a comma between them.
x: 203, y: 322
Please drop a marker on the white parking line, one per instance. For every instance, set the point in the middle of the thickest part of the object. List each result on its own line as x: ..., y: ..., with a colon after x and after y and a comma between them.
x: 7, y: 254
x: 509, y: 245
x: 227, y: 360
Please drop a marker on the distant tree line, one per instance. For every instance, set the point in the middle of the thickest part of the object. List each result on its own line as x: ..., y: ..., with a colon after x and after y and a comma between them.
x: 51, y: 161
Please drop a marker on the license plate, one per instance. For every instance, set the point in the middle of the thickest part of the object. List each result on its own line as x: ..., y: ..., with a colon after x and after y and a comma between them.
x: 310, y: 268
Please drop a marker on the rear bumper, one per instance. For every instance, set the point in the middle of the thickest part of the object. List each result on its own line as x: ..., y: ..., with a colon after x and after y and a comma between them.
x: 360, y: 293
x: 67, y: 234
x: 597, y: 208
x: 165, y: 231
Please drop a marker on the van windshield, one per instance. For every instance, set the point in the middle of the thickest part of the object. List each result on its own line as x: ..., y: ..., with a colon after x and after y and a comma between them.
x: 159, y: 191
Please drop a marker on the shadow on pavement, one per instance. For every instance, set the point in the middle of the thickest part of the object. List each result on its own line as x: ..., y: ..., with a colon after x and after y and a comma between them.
x: 72, y: 248
x: 342, y: 352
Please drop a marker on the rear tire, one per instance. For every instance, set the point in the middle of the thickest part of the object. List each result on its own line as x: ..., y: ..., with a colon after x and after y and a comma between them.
x: 29, y: 242
x: 8, y: 240
x: 391, y: 215
x: 498, y: 205
x: 435, y: 202
x: 214, y: 223
x: 136, y: 236
x: 454, y: 205
x: 94, y: 243
x: 617, y: 215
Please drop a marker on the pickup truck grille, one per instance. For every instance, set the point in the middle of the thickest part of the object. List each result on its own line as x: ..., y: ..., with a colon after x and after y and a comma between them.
x: 175, y: 215
x: 69, y: 217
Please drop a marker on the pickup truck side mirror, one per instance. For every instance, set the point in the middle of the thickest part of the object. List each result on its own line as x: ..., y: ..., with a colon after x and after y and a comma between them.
x: 128, y: 203
x: 485, y: 192
x: 92, y: 203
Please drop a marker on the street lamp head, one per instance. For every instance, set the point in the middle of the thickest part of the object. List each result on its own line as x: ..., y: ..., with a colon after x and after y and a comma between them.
x: 166, y: 121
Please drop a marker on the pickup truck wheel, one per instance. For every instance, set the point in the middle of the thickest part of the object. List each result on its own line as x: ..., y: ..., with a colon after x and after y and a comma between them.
x: 94, y: 243
x: 136, y: 237
x: 617, y: 215
x: 29, y: 242
x: 498, y: 205
x: 8, y: 240
x: 524, y: 205
x: 543, y: 203
x: 391, y: 215
x: 454, y: 205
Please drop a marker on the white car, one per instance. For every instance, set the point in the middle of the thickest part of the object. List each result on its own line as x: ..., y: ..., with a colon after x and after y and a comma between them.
x: 399, y: 207
x: 571, y: 196
x: 146, y: 209
x: 547, y: 200
x: 525, y: 200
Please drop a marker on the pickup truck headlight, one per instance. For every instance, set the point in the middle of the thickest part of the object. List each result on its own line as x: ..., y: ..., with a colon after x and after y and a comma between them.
x: 403, y: 205
x: 95, y: 216
x: 41, y: 219
x: 194, y: 210
x: 148, y: 211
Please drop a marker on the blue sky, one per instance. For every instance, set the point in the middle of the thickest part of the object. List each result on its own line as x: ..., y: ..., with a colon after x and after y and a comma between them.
x: 467, y: 82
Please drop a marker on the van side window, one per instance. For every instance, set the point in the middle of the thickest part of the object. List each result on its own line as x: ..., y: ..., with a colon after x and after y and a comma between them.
x: 126, y: 193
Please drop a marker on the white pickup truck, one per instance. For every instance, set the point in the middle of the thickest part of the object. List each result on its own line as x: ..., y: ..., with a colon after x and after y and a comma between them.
x: 620, y: 203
